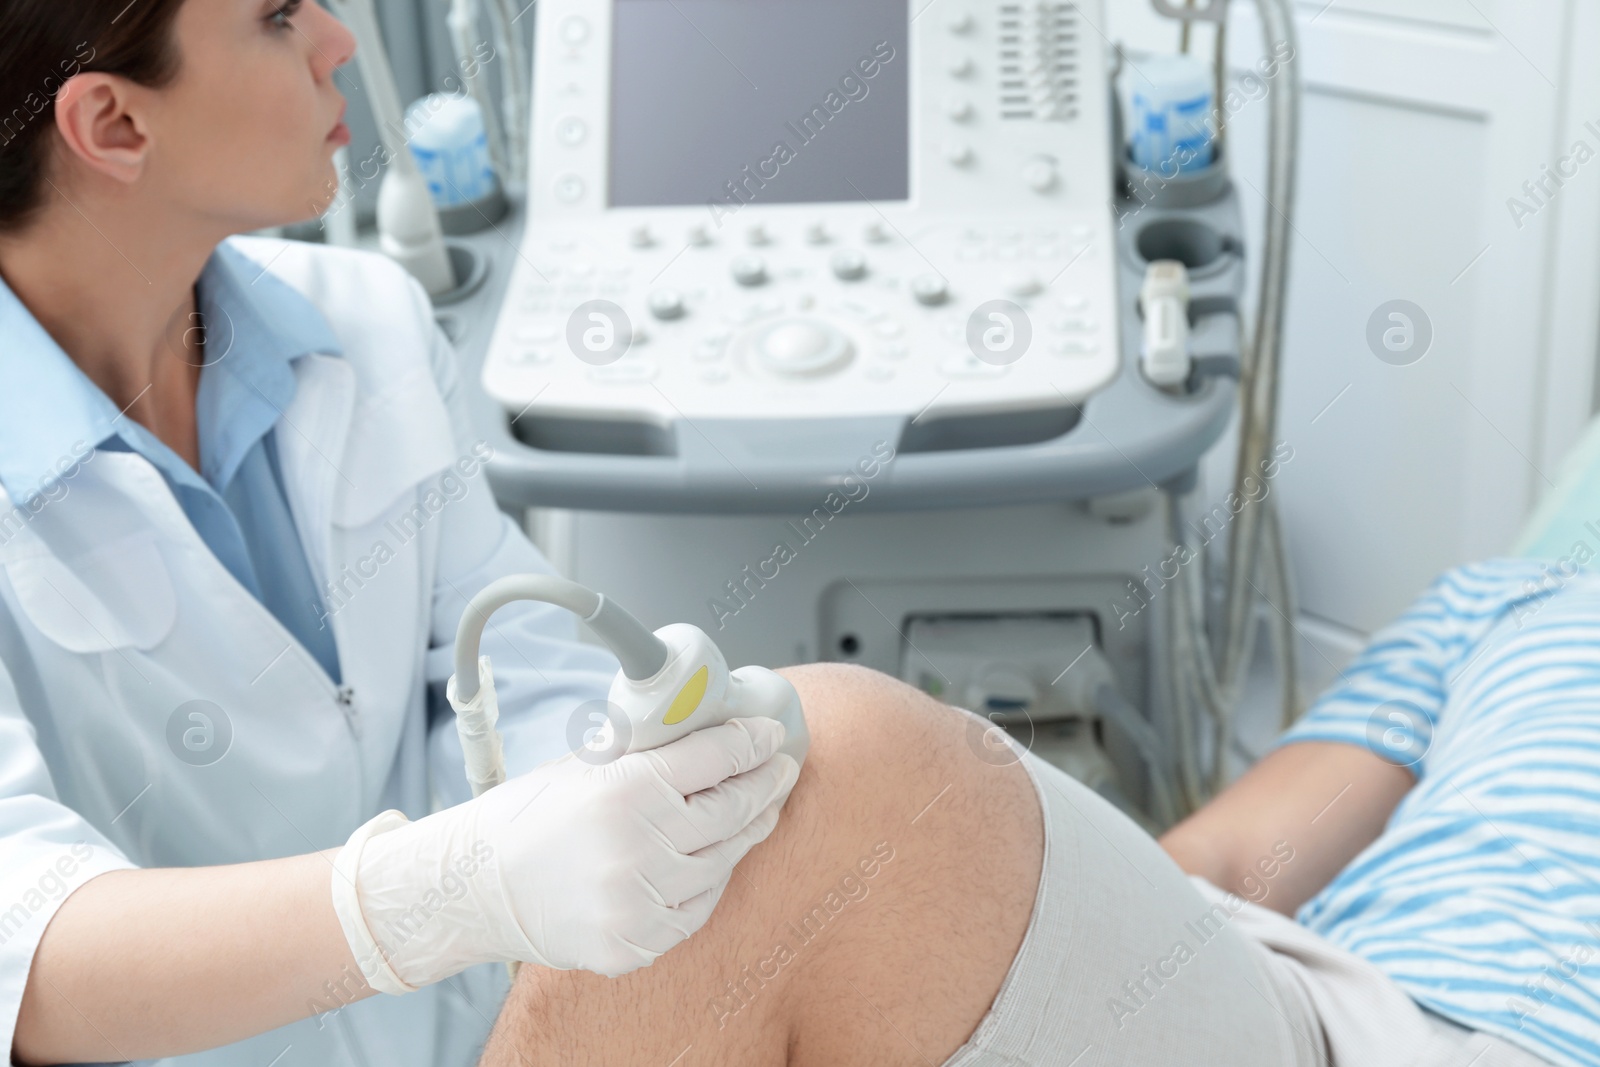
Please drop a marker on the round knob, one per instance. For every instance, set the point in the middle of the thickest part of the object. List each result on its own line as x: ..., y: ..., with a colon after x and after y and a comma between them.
x: 1024, y: 285
x: 875, y: 233
x: 1040, y: 175
x: 571, y: 131
x: 961, y: 68
x: 758, y: 235
x: 641, y: 237
x: 959, y: 155
x: 817, y: 233
x: 569, y: 188
x: 802, y: 347
x: 574, y: 29
x: 959, y: 110
x: 930, y: 289
x: 749, y: 270
x: 848, y: 265
x: 698, y: 236
x: 667, y: 304
x: 960, y: 24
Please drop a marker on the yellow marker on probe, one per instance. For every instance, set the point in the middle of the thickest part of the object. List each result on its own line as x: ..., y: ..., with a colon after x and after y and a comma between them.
x: 688, y: 698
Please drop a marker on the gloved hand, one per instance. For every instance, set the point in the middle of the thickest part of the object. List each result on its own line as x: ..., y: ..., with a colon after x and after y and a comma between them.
x: 571, y: 865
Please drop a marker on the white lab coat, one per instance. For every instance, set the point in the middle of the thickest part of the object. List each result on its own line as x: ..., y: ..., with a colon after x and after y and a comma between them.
x: 114, y: 615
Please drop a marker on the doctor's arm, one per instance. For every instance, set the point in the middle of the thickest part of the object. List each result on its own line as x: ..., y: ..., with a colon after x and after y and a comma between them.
x: 140, y: 964
x: 103, y: 962
x: 595, y: 868
x: 611, y: 867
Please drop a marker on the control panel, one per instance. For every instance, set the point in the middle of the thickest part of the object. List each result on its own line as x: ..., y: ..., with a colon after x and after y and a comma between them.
x: 811, y: 211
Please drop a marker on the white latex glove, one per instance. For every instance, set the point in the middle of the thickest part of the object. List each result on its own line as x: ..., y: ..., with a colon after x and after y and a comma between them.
x: 574, y: 866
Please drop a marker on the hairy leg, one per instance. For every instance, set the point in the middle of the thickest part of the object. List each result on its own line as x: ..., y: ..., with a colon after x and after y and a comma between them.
x: 874, y: 926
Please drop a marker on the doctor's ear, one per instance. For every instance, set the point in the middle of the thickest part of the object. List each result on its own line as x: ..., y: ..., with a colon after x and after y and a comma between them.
x: 101, y: 120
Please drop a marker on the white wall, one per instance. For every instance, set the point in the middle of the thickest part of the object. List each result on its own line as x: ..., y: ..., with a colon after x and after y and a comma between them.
x: 1421, y: 118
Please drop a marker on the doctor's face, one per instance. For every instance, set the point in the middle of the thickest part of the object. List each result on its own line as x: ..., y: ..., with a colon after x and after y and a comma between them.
x: 247, y: 131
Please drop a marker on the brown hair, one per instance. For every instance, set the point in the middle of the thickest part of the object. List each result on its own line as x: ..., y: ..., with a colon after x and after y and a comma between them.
x: 47, y: 42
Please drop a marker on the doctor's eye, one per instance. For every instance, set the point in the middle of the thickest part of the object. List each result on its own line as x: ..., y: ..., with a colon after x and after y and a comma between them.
x: 283, y: 13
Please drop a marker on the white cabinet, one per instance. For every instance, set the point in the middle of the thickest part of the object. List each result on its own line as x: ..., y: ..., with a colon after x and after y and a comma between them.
x: 1421, y: 120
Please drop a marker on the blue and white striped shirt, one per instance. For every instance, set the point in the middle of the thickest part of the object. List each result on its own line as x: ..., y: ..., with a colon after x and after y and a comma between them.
x: 1481, y: 898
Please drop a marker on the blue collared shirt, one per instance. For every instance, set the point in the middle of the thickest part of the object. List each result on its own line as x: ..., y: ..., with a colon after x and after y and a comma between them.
x: 255, y: 328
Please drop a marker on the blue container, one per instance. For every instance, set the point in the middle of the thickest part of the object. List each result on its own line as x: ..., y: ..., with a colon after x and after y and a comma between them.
x: 1170, y: 123
x: 447, y: 138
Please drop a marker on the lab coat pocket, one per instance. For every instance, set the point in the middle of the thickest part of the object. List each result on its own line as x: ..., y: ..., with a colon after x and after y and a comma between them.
x: 114, y: 596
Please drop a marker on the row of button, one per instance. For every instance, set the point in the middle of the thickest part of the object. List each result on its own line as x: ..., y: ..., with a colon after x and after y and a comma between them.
x: 641, y: 372
x: 750, y: 270
x: 1041, y: 174
x: 959, y: 109
x: 883, y: 326
x: 714, y: 357
x: 758, y: 235
x: 669, y: 305
x: 538, y: 341
x: 644, y: 371
x: 713, y: 351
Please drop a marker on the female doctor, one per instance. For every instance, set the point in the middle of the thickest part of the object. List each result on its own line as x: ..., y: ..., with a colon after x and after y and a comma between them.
x: 241, y: 509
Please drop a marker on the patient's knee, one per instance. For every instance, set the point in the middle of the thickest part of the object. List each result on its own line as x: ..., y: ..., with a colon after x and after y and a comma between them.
x: 877, y: 736
x: 857, y: 714
x: 899, y: 882
x: 957, y: 827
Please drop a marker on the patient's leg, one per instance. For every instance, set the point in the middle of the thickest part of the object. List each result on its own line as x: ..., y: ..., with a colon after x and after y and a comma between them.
x: 874, y: 926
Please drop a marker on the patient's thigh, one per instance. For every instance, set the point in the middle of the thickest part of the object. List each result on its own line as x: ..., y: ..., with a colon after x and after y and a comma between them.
x: 875, y: 926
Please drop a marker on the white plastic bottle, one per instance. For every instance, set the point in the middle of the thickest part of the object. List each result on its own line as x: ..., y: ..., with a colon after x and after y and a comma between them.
x: 1169, y: 103
x: 447, y: 138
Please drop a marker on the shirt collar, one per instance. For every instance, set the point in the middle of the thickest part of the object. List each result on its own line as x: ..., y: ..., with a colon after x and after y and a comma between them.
x: 256, y: 326
x: 50, y: 413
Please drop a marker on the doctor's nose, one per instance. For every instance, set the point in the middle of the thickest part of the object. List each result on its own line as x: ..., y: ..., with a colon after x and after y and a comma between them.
x: 333, y: 43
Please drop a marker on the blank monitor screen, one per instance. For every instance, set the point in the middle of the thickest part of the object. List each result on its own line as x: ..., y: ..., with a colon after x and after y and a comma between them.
x: 759, y: 101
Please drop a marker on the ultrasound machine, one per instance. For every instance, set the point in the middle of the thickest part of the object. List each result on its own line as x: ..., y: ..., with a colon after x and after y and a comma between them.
x: 850, y: 330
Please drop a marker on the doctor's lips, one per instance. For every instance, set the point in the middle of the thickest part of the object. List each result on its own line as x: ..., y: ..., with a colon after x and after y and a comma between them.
x: 341, y: 132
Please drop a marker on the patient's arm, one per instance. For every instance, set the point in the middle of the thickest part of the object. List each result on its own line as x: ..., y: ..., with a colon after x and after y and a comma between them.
x: 875, y: 925
x: 1327, y: 801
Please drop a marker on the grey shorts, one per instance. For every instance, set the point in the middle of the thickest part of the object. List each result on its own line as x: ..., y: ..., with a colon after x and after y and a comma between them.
x: 1127, y: 960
